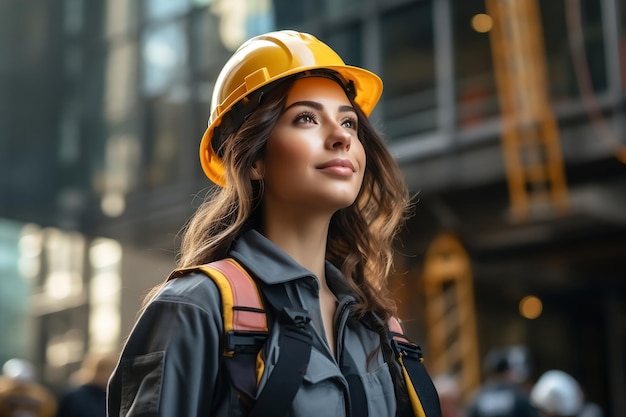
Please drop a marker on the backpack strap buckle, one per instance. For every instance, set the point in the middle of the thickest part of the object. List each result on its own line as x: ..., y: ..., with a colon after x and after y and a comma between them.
x: 407, y: 349
x: 245, y: 342
x: 298, y: 317
x: 401, y: 345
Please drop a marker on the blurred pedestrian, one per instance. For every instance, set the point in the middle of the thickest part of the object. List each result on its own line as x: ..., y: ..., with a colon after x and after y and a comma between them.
x: 20, y: 393
x: 520, y: 366
x: 87, y: 396
x: 558, y: 394
x: 502, y: 395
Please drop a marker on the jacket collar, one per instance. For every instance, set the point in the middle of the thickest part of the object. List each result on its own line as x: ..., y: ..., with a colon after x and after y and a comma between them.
x: 273, y: 266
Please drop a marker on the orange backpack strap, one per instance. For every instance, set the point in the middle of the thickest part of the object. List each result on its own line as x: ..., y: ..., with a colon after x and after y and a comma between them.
x: 244, y: 318
x: 242, y: 308
x: 420, y: 388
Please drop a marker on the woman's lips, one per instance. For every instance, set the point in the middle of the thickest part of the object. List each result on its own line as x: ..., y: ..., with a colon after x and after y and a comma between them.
x: 337, y: 163
x: 338, y: 166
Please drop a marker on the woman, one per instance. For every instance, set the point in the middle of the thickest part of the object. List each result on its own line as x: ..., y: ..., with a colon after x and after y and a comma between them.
x: 309, y: 202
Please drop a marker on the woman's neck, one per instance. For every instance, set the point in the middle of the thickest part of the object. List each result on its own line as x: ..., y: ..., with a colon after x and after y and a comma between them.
x: 305, y: 241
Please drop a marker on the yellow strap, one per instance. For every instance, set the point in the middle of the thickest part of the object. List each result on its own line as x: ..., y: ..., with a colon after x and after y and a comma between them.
x: 416, y: 404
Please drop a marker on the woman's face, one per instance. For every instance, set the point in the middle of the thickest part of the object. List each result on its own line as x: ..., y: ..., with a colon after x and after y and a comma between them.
x: 313, y: 159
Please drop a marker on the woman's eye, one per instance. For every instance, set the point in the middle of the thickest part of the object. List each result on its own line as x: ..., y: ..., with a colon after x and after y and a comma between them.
x: 350, y: 123
x: 305, y: 118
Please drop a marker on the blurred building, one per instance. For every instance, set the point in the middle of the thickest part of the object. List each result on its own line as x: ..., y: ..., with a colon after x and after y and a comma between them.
x: 507, y: 118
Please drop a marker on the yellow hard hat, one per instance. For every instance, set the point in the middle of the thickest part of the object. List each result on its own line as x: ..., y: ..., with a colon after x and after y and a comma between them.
x: 266, y: 58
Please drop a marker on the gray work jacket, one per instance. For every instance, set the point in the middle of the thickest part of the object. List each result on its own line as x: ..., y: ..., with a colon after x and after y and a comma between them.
x: 172, y: 364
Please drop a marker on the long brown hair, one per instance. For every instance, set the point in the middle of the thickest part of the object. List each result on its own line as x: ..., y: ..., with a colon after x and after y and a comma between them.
x: 361, y: 236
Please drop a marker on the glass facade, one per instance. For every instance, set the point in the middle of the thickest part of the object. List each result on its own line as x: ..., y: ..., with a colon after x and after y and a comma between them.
x: 407, y: 56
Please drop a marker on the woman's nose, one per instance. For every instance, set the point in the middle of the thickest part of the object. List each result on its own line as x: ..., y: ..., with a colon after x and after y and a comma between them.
x: 339, y: 137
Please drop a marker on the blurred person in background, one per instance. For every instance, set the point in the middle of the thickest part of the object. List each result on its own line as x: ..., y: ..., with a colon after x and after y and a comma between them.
x: 87, y: 397
x: 20, y: 393
x: 450, y: 395
x: 558, y: 394
x: 520, y: 365
x: 503, y: 393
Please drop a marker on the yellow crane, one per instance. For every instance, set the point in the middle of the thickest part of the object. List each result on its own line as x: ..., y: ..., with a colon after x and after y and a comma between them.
x: 530, y: 134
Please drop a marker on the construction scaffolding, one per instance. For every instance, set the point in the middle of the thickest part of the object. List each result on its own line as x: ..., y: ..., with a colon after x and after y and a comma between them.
x: 450, y: 313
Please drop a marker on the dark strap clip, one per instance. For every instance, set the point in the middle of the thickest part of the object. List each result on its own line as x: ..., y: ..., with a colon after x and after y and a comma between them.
x: 409, y: 350
x: 298, y: 317
x: 245, y: 342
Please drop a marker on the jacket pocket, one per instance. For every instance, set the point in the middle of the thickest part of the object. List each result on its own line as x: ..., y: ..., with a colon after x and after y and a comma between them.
x: 320, y: 368
x: 381, y: 400
x: 142, y: 378
x: 322, y: 392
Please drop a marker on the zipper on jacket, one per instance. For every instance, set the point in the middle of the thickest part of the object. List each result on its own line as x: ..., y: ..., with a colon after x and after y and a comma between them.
x: 341, y: 320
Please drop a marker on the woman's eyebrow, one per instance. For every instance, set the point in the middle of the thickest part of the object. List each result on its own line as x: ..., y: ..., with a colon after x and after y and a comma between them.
x: 313, y: 104
x: 343, y: 109
x: 318, y: 106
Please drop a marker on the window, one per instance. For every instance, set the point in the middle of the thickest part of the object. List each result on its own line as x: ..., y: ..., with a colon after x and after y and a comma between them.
x: 569, y: 67
x: 339, y: 7
x: 166, y: 95
x: 476, y: 92
x: 158, y: 9
x: 347, y: 43
x: 408, y: 70
x: 289, y: 13
x: 622, y: 41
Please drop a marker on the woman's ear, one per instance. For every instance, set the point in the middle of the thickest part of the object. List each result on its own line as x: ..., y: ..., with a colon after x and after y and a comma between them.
x: 257, y: 171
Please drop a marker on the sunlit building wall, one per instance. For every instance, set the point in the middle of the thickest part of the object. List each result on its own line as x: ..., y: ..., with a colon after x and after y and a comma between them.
x: 62, y: 295
x: 17, y: 269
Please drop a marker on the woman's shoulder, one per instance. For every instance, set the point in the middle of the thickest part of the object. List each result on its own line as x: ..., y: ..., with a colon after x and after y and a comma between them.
x: 192, y: 287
